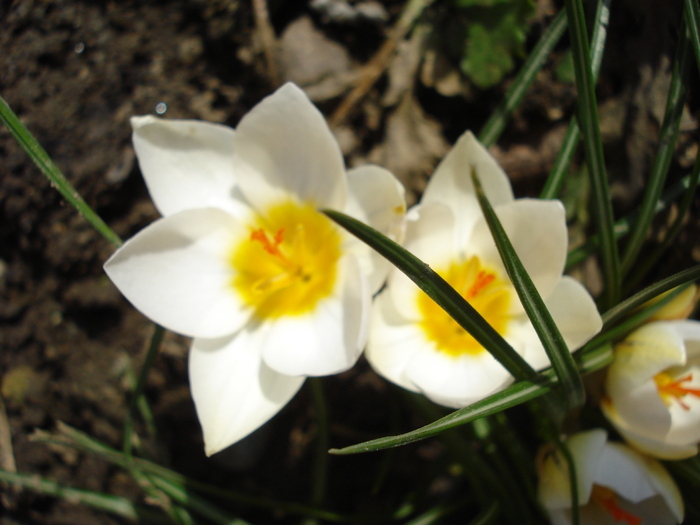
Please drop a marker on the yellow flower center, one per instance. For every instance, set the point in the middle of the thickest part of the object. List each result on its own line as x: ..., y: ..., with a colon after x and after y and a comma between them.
x: 484, y: 289
x: 671, y: 389
x: 288, y: 263
x: 608, y: 501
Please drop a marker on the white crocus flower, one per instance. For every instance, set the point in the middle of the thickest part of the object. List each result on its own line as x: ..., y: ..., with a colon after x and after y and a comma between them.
x: 653, y: 389
x: 415, y: 344
x: 616, y: 485
x: 270, y: 289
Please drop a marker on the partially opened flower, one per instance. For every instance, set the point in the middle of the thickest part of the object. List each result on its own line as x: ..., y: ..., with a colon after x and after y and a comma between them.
x: 653, y: 389
x: 616, y: 485
x: 270, y: 289
x: 415, y: 344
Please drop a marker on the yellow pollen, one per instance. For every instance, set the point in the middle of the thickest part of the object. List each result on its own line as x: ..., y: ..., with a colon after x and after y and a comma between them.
x: 288, y: 263
x: 484, y: 289
x: 608, y: 501
x: 671, y: 389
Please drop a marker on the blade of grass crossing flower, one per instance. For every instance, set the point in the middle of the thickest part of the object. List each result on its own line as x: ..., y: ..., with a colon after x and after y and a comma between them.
x: 442, y: 293
x: 552, y: 340
x: 587, y: 110
x: 573, y: 480
x: 573, y: 132
x: 590, y: 360
x: 623, y: 328
x: 617, y: 312
x: 664, y: 155
x: 541, y: 52
x: 29, y: 144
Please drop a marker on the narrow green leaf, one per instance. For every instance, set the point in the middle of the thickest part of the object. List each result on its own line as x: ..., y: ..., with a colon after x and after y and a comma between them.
x: 686, y: 276
x: 691, y: 15
x: 541, y: 52
x: 617, y: 330
x: 686, y: 187
x: 649, y: 261
x: 593, y: 359
x: 547, y: 330
x: 664, y: 155
x: 138, y: 401
x: 573, y: 132
x: 51, y: 171
x: 106, y: 502
x: 441, y: 292
x: 587, y: 110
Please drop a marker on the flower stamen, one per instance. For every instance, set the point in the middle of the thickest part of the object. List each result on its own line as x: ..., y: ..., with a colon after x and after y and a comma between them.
x: 608, y: 501
x: 672, y: 389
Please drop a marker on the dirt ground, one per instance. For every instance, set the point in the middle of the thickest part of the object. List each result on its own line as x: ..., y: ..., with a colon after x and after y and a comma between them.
x: 76, y: 70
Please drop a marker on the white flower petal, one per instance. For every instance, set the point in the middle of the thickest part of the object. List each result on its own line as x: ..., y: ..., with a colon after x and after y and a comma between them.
x: 537, y: 230
x: 330, y: 339
x: 624, y: 471
x: 429, y: 236
x: 186, y: 164
x: 586, y: 449
x: 176, y: 272
x: 689, y: 332
x: 643, y: 409
x: 392, y: 342
x: 554, y: 489
x: 456, y: 381
x: 284, y: 147
x: 574, y: 312
x: 451, y: 184
x: 665, y: 486
x: 378, y: 199
x: 646, y: 352
x: 655, y: 446
x: 234, y: 392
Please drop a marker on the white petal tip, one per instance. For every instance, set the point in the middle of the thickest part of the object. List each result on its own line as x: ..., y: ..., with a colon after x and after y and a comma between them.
x: 140, y: 121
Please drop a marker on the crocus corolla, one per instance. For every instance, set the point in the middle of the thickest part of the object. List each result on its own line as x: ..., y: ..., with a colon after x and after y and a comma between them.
x: 653, y: 389
x: 242, y: 260
x: 616, y: 485
x: 415, y: 344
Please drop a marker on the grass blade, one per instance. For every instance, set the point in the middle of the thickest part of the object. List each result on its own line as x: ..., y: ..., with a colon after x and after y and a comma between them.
x: 547, y: 330
x: 619, y: 311
x: 497, y: 121
x: 29, y: 144
x: 667, y: 142
x: 573, y: 133
x: 685, y: 186
x: 589, y: 361
x: 113, y: 504
x: 442, y: 293
x: 590, y: 128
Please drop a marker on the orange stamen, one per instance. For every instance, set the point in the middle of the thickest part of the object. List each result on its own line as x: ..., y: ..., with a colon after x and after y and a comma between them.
x: 483, y: 279
x: 270, y: 246
x: 670, y: 389
x: 607, y: 499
